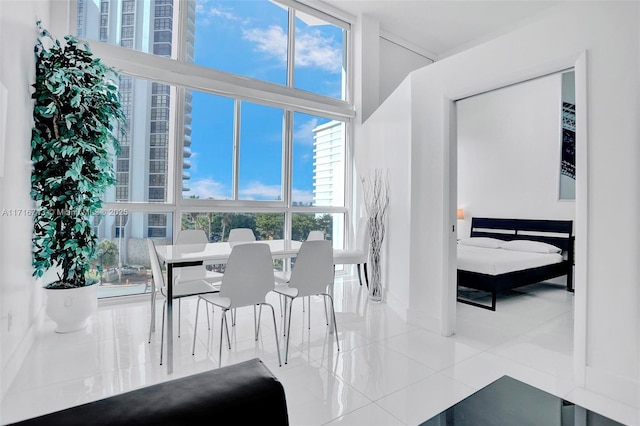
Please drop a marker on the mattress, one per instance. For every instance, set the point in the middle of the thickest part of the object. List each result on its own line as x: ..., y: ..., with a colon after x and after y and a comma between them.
x: 496, y: 261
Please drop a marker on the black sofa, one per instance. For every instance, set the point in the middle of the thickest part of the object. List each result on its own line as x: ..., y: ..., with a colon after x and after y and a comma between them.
x: 244, y: 393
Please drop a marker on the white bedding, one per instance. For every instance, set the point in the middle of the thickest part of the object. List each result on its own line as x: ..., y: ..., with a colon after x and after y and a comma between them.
x: 496, y: 261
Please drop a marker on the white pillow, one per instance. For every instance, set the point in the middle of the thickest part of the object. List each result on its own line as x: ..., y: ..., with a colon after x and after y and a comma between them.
x: 531, y: 246
x: 481, y: 242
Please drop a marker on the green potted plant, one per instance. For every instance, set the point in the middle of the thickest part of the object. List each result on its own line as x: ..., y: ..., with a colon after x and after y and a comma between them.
x: 75, y: 111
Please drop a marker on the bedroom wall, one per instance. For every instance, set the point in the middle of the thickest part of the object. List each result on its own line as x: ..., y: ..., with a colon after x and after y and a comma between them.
x: 609, y: 33
x: 509, y: 153
x: 21, y: 298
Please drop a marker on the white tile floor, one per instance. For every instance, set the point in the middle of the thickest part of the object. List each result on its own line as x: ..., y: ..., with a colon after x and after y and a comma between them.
x: 386, y: 372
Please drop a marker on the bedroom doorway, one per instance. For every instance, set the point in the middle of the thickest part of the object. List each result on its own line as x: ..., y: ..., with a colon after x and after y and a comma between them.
x: 516, y: 174
x: 513, y: 163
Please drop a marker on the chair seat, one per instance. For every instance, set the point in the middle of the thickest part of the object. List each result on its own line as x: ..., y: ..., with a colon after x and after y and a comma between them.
x: 282, y: 276
x: 213, y: 277
x: 192, y: 288
x: 197, y: 272
x: 286, y: 290
x: 349, y: 256
x: 216, y: 299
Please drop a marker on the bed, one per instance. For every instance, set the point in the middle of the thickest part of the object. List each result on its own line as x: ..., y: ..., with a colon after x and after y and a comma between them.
x: 503, y: 254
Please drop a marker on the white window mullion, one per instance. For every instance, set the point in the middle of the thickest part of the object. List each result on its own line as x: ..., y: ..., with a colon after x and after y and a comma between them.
x: 291, y: 47
x: 237, y: 117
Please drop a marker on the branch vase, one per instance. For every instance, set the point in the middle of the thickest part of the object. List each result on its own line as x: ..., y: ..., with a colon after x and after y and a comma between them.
x: 375, y: 281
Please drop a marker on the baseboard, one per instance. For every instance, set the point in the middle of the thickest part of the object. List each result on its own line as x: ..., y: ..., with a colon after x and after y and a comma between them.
x: 423, y: 320
x: 396, y: 304
x: 411, y: 316
x: 623, y: 389
x: 13, y: 365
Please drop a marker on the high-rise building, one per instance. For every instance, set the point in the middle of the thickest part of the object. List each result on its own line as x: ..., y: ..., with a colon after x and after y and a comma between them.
x: 146, y: 26
x: 329, y: 170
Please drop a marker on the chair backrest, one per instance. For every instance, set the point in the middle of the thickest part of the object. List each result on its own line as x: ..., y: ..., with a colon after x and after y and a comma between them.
x: 248, y: 276
x: 192, y: 236
x: 363, y: 239
x: 313, y: 269
x: 156, y: 271
x: 241, y: 235
x: 315, y: 235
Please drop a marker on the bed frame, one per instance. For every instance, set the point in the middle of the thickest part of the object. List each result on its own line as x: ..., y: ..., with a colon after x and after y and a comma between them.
x: 556, y: 232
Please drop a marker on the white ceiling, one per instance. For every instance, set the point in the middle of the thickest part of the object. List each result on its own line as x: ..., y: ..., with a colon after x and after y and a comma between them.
x: 443, y: 27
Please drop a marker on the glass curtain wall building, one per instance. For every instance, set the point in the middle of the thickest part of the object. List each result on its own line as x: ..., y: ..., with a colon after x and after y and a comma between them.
x: 245, y: 127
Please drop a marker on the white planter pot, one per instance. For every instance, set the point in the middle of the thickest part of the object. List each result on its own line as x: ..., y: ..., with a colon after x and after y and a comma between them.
x: 71, y: 308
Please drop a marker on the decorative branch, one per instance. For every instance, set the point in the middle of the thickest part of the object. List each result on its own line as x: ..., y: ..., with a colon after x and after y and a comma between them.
x: 376, y: 196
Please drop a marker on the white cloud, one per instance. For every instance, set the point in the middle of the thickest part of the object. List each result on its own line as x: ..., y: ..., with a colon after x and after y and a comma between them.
x: 302, y: 196
x: 259, y: 191
x: 312, y: 49
x: 272, y: 41
x: 206, y: 188
x: 304, y: 132
x: 206, y: 11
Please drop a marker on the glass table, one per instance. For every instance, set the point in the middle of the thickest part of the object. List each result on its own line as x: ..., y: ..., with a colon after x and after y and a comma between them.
x: 508, y: 402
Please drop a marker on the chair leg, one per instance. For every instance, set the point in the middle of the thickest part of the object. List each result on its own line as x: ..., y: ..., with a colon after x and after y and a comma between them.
x: 179, y: 315
x: 233, y: 317
x: 275, y: 331
x: 280, y: 300
x: 326, y: 316
x: 366, y: 277
x: 195, y: 327
x: 359, y: 276
x: 153, y: 319
x: 222, y: 324
x: 226, y: 327
x: 153, y: 315
x: 309, y: 298
x: 335, y: 325
x: 208, y: 319
x: 164, y: 308
x: 259, y: 317
x: 284, y: 326
x: 286, y: 351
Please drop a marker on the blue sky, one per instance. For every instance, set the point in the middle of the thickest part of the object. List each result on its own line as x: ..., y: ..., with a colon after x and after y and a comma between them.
x: 249, y: 38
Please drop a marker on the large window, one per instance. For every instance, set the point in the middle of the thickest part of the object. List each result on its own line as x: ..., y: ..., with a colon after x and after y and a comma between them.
x: 252, y: 38
x: 237, y: 115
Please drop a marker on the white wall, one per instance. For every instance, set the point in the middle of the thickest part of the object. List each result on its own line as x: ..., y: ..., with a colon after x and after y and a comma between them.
x: 396, y: 62
x: 609, y: 32
x: 20, y: 296
x: 509, y: 153
x: 379, y: 64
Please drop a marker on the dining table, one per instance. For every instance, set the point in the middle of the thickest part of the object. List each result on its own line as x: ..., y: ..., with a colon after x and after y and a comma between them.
x: 181, y: 255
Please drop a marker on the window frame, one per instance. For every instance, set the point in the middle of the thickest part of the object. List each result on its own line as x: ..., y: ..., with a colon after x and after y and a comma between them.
x: 182, y: 75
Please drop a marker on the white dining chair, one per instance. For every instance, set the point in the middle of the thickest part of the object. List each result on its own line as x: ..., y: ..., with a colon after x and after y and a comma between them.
x: 189, y: 283
x: 197, y: 236
x: 315, y: 235
x: 359, y: 254
x: 283, y: 277
x: 241, y: 235
x: 312, y: 273
x: 247, y: 280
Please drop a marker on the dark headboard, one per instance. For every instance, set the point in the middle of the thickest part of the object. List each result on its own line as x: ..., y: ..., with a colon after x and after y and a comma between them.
x: 556, y: 232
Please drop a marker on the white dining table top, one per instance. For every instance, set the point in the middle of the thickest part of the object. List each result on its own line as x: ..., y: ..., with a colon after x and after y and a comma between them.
x: 220, y: 252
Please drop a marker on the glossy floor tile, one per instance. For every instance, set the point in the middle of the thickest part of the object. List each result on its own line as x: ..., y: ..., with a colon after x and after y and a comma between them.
x: 381, y: 371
